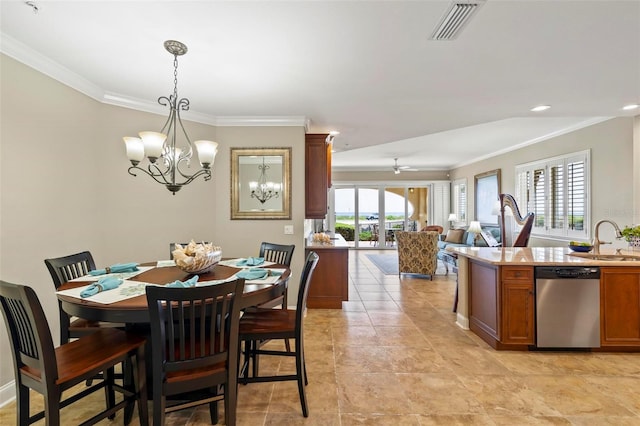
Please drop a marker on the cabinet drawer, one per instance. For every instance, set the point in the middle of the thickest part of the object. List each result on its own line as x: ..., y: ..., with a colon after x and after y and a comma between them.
x: 517, y: 273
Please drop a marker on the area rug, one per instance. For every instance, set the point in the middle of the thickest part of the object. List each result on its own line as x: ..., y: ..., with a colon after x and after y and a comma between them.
x: 387, y: 263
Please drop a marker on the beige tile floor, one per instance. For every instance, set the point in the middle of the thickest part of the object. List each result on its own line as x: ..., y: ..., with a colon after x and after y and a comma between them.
x: 393, y: 356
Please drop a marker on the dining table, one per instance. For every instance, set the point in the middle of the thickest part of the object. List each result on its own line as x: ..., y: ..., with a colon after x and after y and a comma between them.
x: 133, y: 311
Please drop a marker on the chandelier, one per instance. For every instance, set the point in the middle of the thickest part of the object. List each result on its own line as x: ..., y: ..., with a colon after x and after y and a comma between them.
x: 166, y: 157
x: 264, y: 190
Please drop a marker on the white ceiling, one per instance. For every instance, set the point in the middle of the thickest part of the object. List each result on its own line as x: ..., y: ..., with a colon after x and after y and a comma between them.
x: 364, y: 68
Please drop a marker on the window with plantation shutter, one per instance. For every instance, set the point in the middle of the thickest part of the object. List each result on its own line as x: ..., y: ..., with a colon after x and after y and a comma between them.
x: 557, y: 191
x: 459, y: 192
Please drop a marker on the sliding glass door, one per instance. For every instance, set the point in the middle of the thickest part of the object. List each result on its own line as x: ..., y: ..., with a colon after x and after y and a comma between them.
x: 367, y: 216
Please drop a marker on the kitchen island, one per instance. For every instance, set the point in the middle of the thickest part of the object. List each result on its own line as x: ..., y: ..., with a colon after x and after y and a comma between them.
x: 497, y: 295
x: 329, y: 285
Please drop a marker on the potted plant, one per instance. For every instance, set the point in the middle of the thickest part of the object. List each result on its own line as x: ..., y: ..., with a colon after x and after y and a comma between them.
x: 632, y: 235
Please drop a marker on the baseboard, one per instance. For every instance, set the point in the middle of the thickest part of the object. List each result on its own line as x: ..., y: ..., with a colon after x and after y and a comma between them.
x: 7, y: 393
x: 462, y: 322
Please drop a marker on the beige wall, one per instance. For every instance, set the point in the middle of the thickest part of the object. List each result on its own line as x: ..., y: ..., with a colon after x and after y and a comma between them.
x: 612, y: 193
x: 65, y: 188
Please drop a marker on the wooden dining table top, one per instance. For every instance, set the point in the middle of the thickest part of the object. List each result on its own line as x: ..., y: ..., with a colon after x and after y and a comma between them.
x: 134, y: 310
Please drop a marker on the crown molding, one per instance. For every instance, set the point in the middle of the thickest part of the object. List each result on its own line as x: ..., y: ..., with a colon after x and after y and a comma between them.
x: 24, y: 54
x: 270, y: 120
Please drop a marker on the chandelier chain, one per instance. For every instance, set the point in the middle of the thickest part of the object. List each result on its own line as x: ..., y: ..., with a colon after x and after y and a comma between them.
x: 175, y: 76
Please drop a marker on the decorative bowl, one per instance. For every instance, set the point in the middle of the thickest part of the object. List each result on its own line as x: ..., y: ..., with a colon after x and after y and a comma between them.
x: 197, y: 258
x: 581, y: 249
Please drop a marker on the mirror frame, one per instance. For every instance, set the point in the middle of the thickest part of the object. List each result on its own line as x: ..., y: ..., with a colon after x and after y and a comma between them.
x: 487, y: 193
x: 285, y: 195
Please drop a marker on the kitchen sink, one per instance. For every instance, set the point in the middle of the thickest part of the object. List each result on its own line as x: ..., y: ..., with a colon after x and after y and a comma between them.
x: 610, y: 257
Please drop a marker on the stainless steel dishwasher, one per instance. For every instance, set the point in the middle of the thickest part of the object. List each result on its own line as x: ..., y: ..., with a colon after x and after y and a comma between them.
x: 567, y: 307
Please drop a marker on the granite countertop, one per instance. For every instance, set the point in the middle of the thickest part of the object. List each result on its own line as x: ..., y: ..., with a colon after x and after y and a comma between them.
x: 546, y: 256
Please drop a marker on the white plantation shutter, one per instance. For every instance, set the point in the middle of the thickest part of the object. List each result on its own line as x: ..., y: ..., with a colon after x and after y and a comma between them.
x: 538, y: 193
x: 459, y: 197
x: 557, y: 191
x: 577, y: 195
x: 441, y: 202
x: 556, y: 207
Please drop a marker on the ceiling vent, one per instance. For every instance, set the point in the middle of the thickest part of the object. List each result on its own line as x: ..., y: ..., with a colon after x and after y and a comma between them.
x: 455, y: 18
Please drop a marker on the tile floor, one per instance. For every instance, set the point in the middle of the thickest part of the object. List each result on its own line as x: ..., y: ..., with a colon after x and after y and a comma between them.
x: 394, y: 356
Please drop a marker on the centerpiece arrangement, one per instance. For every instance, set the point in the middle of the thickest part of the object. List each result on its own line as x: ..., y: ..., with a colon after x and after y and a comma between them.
x: 321, y: 237
x: 632, y: 235
x: 196, y: 258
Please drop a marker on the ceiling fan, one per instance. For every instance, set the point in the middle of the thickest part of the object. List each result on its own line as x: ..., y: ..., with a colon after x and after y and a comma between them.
x: 397, y: 169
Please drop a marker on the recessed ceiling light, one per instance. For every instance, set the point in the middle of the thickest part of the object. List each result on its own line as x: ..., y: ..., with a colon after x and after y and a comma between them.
x: 630, y: 107
x: 540, y: 108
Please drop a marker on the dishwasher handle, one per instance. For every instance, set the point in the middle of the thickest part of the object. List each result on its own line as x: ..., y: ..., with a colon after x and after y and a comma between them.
x: 569, y: 272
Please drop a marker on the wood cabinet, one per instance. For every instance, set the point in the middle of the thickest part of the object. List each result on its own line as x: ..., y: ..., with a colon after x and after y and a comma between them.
x: 317, y: 175
x: 517, y: 306
x: 502, y: 305
x: 329, y: 285
x: 620, y: 306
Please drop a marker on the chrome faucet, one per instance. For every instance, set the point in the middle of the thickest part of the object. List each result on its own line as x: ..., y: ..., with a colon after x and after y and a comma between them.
x: 596, y: 231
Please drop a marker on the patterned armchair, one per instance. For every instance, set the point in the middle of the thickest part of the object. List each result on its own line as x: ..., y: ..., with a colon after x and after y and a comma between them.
x: 417, y: 252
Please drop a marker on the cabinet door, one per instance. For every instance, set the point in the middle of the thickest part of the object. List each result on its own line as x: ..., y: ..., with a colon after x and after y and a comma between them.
x: 620, y: 306
x: 518, y: 306
x: 316, y: 176
x: 518, y: 313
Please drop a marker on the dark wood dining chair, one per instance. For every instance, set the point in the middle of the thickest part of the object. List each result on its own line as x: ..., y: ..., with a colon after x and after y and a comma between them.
x: 278, y: 253
x: 269, y: 324
x: 49, y: 371
x: 195, y: 348
x: 67, y: 268
x: 281, y: 254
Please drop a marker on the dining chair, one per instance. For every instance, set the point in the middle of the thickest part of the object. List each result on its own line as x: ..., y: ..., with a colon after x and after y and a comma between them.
x: 40, y: 367
x: 278, y: 253
x: 281, y: 254
x: 195, y: 348
x: 67, y: 268
x: 269, y: 324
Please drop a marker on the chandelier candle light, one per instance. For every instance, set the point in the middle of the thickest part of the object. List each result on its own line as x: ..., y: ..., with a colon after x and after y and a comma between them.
x: 264, y: 190
x: 161, y: 148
